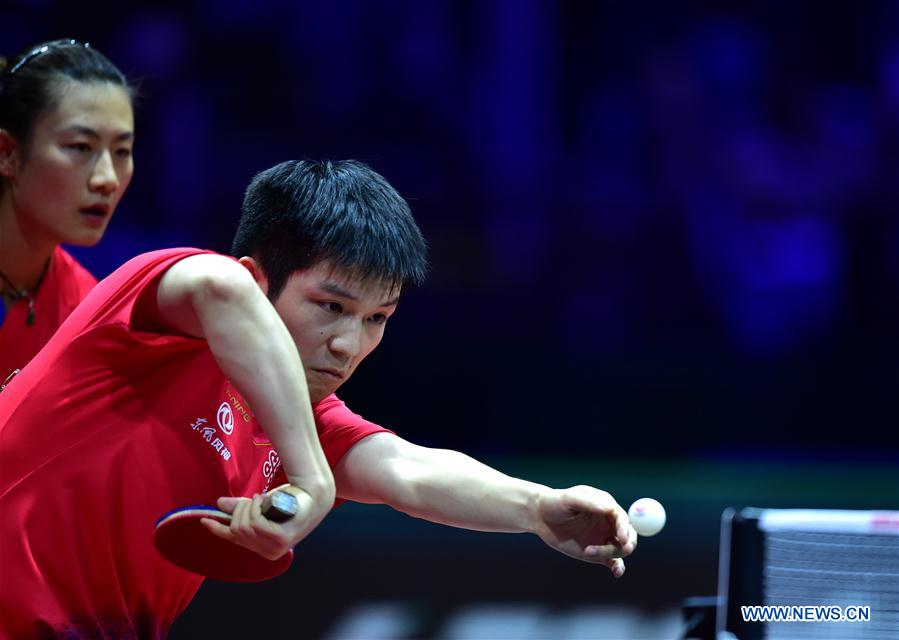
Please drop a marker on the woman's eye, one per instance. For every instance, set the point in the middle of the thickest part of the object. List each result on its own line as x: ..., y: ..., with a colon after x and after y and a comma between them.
x: 124, y: 152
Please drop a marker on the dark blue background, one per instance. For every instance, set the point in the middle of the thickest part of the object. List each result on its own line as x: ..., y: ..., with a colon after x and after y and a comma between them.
x: 672, y: 221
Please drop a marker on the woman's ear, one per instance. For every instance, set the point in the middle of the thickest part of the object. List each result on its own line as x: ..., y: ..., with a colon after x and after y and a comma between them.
x: 9, y: 154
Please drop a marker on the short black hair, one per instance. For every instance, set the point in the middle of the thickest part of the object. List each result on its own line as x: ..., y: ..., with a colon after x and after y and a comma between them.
x: 303, y: 212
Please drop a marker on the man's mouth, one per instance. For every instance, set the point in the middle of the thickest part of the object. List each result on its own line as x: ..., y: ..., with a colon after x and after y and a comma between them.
x: 331, y: 373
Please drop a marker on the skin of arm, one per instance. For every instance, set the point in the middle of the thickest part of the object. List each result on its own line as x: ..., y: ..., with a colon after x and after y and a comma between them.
x: 452, y: 488
x: 212, y: 297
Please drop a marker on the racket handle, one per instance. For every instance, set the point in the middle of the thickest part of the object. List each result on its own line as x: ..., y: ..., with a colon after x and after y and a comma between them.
x: 279, y: 506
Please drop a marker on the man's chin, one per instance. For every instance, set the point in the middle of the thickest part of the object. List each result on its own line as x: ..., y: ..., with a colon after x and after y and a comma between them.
x: 317, y: 394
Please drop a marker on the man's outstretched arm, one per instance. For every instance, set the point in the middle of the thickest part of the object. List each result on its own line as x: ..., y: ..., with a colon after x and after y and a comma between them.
x: 451, y: 488
x: 215, y: 298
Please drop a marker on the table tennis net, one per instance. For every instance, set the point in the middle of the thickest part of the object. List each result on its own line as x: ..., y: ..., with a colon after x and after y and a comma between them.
x: 810, y: 558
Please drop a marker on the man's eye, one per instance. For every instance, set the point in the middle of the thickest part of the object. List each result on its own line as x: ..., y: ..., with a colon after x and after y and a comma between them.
x: 379, y: 318
x: 333, y: 307
x: 80, y: 147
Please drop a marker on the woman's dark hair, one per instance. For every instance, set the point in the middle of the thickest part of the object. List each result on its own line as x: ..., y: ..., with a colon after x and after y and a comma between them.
x: 29, y: 82
x: 302, y: 212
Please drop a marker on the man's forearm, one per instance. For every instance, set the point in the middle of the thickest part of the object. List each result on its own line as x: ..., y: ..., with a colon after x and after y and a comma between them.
x: 255, y: 351
x: 451, y: 488
x: 217, y: 299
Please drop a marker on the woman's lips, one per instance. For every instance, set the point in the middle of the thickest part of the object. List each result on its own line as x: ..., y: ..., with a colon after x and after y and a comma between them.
x: 95, y: 216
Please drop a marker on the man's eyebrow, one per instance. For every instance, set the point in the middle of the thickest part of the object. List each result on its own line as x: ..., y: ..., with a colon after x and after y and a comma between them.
x: 90, y: 133
x: 337, y: 290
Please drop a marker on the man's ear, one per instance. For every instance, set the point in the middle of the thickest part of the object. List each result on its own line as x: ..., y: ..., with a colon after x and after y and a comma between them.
x: 255, y: 269
x: 9, y: 154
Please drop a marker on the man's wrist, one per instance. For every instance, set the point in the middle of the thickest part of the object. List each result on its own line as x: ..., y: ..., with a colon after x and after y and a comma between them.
x: 538, y: 493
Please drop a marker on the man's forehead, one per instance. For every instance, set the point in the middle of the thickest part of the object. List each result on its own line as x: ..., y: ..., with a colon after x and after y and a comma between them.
x: 340, y: 280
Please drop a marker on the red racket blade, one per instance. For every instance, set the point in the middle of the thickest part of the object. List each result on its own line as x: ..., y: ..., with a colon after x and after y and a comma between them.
x: 182, y: 539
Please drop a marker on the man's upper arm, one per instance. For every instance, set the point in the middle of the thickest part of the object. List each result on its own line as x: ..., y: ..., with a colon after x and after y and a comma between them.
x: 192, y: 278
x: 378, y: 469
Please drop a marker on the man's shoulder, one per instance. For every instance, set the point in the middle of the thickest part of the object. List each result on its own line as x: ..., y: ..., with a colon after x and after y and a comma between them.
x: 331, y: 409
x: 117, y: 298
x: 159, y: 256
x: 145, y: 267
x: 333, y: 413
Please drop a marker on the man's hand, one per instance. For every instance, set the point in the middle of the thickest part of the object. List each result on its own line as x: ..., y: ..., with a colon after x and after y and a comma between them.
x: 250, y: 529
x: 586, y: 524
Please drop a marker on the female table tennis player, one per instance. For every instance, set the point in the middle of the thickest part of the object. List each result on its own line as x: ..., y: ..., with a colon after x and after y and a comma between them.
x: 66, y: 135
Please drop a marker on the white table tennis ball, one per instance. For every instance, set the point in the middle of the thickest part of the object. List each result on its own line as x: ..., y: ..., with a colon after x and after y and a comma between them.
x: 647, y: 516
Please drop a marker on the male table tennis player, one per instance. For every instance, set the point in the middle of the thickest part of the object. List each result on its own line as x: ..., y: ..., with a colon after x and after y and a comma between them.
x: 182, y: 374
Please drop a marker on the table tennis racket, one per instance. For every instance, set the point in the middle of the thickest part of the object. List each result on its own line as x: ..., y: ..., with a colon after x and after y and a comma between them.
x: 183, y: 540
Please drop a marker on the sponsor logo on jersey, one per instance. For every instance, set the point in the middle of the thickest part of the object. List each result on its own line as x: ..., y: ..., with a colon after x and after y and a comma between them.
x: 225, y: 418
x: 208, y: 433
x: 270, y: 468
x: 239, y: 405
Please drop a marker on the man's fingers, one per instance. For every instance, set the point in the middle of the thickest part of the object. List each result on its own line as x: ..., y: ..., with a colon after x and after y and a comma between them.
x: 607, y: 555
x: 631, y: 545
x: 246, y: 513
x: 263, y: 542
x: 616, y: 566
x: 602, y: 553
x: 219, y: 529
x: 588, y: 499
x: 247, y: 521
x: 601, y: 503
x: 228, y: 503
x: 249, y: 528
x: 247, y: 516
